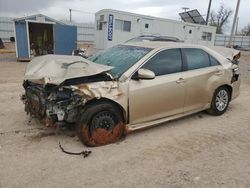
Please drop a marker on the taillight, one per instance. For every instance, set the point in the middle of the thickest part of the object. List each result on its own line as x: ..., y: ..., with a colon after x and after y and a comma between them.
x: 236, y: 74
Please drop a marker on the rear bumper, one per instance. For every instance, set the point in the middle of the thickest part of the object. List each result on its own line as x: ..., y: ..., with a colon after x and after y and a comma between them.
x: 236, y: 89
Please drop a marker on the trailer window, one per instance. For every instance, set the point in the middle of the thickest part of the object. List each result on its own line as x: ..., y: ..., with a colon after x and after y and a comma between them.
x: 98, y: 25
x: 118, y: 24
x: 206, y: 36
x: 122, y: 25
x: 127, y: 26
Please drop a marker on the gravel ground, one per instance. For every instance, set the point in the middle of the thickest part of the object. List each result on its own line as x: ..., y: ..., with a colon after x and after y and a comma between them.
x: 196, y: 151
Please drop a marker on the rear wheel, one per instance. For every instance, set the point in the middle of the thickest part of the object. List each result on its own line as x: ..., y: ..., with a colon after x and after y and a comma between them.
x: 100, y: 124
x: 220, y: 101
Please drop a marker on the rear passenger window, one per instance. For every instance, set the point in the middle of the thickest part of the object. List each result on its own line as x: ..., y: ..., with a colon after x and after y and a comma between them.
x: 196, y: 58
x: 213, y: 61
x: 165, y: 62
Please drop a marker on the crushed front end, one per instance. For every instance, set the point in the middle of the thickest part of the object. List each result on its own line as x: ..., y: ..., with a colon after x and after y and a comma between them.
x: 51, y: 104
x: 57, y: 87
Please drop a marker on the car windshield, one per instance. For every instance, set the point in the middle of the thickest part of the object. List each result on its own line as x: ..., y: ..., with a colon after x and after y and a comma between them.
x: 121, y: 57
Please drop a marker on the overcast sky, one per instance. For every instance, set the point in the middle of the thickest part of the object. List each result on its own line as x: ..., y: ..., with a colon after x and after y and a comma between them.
x: 83, y: 10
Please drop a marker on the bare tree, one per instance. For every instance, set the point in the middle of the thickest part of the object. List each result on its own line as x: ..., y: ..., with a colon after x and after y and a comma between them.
x: 220, y: 18
x: 246, y: 30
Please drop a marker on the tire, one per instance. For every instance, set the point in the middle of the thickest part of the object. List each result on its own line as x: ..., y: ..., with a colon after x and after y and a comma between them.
x: 220, y: 101
x: 100, y: 124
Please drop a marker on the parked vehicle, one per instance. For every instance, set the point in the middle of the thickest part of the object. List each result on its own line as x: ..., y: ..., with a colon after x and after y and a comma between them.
x: 129, y: 87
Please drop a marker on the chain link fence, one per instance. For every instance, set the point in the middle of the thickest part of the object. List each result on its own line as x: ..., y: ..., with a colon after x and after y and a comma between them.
x: 241, y: 41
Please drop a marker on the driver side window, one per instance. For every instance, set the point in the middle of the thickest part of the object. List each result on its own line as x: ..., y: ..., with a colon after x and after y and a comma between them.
x: 165, y: 62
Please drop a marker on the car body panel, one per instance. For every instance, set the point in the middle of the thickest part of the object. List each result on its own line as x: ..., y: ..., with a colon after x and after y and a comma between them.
x: 111, y: 90
x: 200, y: 84
x: 228, y: 53
x: 236, y: 89
x: 156, y: 98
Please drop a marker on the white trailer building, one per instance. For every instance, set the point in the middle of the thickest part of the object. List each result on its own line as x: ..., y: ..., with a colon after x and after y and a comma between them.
x: 114, y: 27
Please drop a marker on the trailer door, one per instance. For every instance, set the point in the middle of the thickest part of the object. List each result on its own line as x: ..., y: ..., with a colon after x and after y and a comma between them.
x: 65, y: 39
x: 21, y: 40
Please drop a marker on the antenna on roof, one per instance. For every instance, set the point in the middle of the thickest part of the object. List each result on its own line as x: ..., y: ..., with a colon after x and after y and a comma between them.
x: 185, y: 9
x: 70, y: 16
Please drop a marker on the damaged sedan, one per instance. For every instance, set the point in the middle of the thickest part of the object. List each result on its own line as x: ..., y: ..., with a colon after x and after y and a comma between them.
x: 129, y: 87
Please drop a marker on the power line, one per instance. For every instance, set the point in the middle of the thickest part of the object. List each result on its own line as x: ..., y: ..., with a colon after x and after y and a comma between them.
x: 70, y: 13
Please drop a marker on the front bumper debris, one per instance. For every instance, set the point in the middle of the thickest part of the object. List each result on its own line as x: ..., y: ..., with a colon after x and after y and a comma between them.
x: 51, y: 106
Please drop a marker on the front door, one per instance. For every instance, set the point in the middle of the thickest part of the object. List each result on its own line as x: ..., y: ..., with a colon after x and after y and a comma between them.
x: 162, y: 96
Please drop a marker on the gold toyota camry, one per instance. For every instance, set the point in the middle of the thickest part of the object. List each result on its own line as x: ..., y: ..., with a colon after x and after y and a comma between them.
x: 130, y: 86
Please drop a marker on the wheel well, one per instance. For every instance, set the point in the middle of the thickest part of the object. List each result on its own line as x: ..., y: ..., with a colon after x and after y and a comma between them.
x: 230, y: 89
x: 105, y: 100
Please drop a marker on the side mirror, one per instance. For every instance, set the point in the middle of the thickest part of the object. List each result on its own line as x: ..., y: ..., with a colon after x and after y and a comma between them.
x: 145, y: 74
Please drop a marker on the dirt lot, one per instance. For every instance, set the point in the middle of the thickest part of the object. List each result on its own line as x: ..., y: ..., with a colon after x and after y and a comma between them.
x: 196, y: 151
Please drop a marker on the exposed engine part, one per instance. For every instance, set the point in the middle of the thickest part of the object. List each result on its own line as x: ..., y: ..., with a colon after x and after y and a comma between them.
x: 84, y: 153
x: 52, y: 105
x: 34, y: 100
x: 80, y: 52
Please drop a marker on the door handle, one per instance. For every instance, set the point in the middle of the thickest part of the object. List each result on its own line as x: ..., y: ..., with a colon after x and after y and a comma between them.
x: 181, y: 80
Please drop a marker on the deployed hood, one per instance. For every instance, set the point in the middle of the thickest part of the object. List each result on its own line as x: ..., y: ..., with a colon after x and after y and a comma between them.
x: 58, y: 68
x: 228, y: 53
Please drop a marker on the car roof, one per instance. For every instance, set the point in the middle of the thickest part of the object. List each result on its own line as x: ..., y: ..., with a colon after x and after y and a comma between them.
x: 160, y: 44
x: 223, y: 52
x: 155, y: 38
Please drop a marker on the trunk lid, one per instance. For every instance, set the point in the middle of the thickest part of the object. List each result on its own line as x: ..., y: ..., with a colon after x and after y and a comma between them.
x: 228, y: 53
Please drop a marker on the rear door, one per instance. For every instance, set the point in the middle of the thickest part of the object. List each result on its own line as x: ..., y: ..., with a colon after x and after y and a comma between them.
x: 162, y: 96
x: 203, y: 71
x: 65, y: 39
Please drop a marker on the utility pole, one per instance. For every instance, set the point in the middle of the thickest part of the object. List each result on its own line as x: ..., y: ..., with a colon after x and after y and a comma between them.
x: 237, y: 23
x: 208, y: 11
x: 234, y: 23
x: 70, y: 16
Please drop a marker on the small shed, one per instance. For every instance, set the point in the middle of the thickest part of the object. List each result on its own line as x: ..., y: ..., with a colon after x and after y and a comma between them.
x: 40, y: 35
